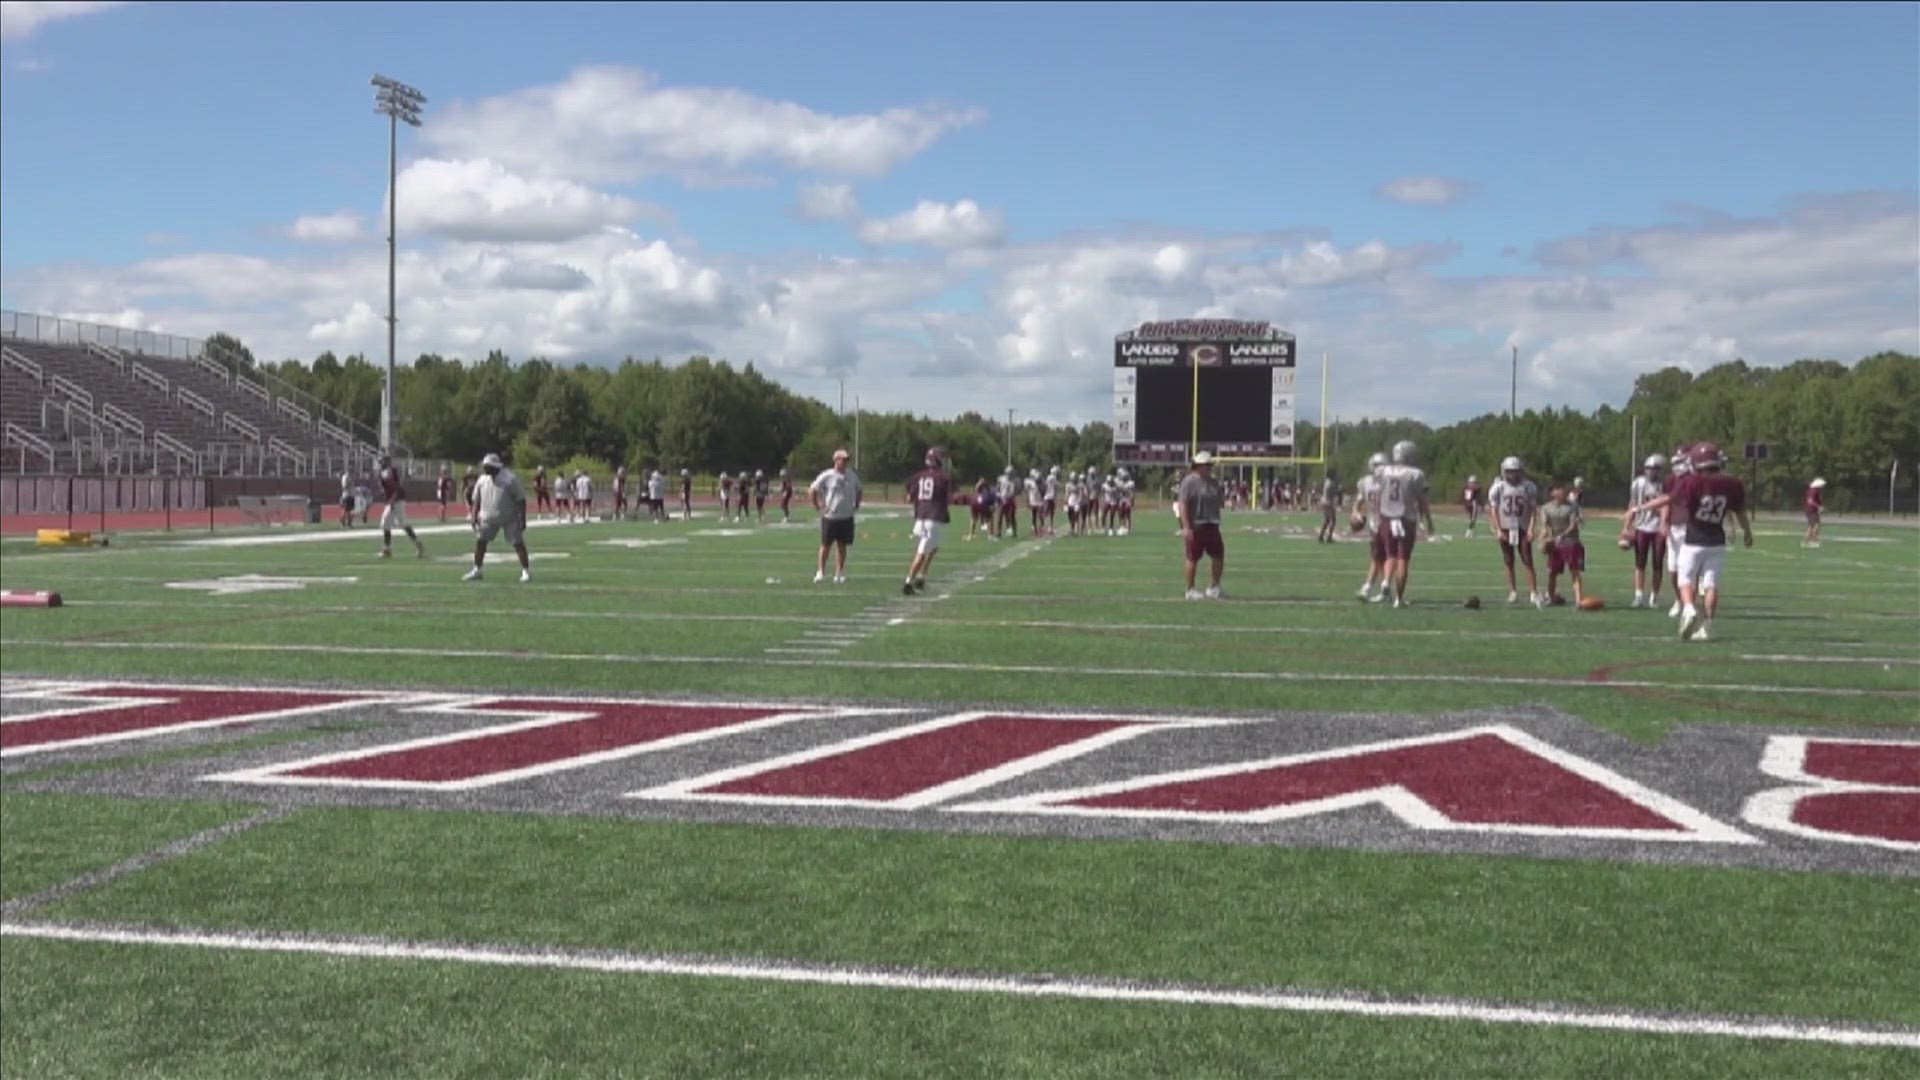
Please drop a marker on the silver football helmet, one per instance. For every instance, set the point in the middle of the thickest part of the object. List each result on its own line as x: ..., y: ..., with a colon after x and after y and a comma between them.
x: 1403, y: 452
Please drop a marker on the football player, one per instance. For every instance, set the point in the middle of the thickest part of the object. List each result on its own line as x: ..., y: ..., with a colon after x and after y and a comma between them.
x: 1680, y: 467
x: 542, y: 503
x: 686, y: 494
x: 562, y: 495
x: 1008, y: 523
x: 1560, y: 519
x: 1702, y: 501
x: 1512, y: 504
x: 1644, y: 533
x: 1366, y: 515
x: 582, y: 495
x: 1036, y: 507
x: 620, y: 493
x: 499, y: 505
x: 394, y: 493
x: 786, y: 497
x: 1329, y: 506
x: 656, y: 497
x: 1403, y: 504
x: 982, y: 510
x: 443, y: 490
x: 760, y: 495
x: 1470, y: 502
x: 1123, y: 513
x: 1814, y: 505
x: 726, y: 498
x: 931, y: 492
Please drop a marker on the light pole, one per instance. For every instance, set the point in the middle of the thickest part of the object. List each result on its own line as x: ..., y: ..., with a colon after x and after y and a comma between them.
x: 1009, y: 436
x: 397, y: 102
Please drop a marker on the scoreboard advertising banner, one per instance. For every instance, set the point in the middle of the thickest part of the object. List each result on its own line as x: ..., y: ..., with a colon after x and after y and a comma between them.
x: 1245, y: 383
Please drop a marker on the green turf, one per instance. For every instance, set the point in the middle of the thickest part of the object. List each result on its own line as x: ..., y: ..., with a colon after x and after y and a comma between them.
x: 178, y: 1013
x: 49, y: 839
x: 1519, y: 929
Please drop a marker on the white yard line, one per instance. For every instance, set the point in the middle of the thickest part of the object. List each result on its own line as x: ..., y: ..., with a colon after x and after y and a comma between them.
x: 1186, y: 675
x: 186, y: 846
x: 747, y: 969
x: 852, y: 623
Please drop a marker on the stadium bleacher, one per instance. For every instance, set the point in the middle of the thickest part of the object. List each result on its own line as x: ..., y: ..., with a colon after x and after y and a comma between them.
x: 85, y: 406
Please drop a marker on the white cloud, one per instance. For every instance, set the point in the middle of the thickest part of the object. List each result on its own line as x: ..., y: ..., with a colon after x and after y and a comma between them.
x: 616, y: 123
x: 1423, y: 191
x: 334, y: 228
x: 827, y: 202
x: 1030, y: 324
x: 20, y: 19
x: 481, y: 200
x: 959, y: 225
x: 31, y: 65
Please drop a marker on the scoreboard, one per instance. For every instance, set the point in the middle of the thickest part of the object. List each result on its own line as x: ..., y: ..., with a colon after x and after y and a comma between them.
x: 1243, y: 373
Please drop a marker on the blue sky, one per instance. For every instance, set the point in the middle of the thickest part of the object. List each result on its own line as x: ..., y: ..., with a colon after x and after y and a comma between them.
x: 1610, y: 188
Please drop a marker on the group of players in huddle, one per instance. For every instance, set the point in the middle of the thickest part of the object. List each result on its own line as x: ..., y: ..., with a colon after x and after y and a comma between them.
x: 1675, y: 522
x: 1096, y: 505
x: 571, y: 499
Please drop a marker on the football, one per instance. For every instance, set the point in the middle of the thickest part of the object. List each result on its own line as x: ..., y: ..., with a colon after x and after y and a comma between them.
x: 1592, y: 603
x: 1625, y: 544
x: 1472, y: 604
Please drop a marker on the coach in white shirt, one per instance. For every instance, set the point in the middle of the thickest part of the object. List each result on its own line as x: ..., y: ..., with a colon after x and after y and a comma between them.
x: 836, y: 495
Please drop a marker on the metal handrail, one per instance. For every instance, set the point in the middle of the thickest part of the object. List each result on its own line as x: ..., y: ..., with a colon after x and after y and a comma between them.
x: 121, y: 418
x: 181, y: 451
x: 215, y: 368
x: 235, y: 422
x: 197, y: 403
x: 108, y: 353
x: 253, y: 388
x: 60, y: 384
x: 25, y: 363
x: 15, y: 435
x: 142, y: 373
x: 334, y: 433
x: 284, y: 389
x: 296, y: 412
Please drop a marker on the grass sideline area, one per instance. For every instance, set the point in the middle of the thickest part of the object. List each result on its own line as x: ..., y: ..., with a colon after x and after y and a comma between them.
x: 1809, y: 640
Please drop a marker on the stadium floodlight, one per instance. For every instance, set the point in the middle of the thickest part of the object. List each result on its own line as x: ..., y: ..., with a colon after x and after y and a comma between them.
x: 399, y: 103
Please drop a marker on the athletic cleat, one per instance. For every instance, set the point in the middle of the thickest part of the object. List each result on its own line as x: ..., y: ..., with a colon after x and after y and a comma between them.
x: 1378, y: 598
x: 1539, y: 602
x: 1398, y: 603
x: 1705, y: 633
x: 1193, y: 594
x: 419, y: 552
x: 919, y: 584
x: 1365, y: 593
x: 1674, y: 611
x: 839, y: 579
x: 526, y: 576
x: 386, y: 553
x: 819, y: 577
x: 1690, y: 622
x: 906, y: 589
x: 1513, y: 598
x: 472, y: 575
x: 1213, y: 592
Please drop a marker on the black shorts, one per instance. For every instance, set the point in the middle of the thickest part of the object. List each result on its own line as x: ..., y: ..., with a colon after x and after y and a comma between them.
x: 836, y: 531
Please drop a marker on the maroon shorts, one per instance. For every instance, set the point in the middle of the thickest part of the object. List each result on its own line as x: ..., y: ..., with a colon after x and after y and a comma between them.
x: 1401, y: 546
x: 1206, y: 541
x: 1649, y: 547
x: 1813, y: 517
x: 1567, y: 557
x: 1507, y: 549
x: 1379, y: 546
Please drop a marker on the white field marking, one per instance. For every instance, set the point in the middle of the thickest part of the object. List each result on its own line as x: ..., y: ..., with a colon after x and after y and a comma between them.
x: 278, y: 773
x: 106, y: 875
x: 324, y: 536
x: 857, y: 622
x: 662, y: 542
x: 1792, y: 659
x: 68, y: 691
x: 532, y: 556
x: 1786, y: 758
x: 252, y: 583
x: 1189, y: 676
x: 689, y: 789
x: 777, y: 651
x: 750, y: 969
x: 1699, y: 828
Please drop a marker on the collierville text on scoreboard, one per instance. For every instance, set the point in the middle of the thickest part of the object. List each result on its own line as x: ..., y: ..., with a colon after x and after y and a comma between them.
x: 1242, y: 372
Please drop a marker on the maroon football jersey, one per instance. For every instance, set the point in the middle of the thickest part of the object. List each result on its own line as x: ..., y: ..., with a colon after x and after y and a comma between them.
x: 930, y: 491
x: 1706, y: 499
x: 390, y: 487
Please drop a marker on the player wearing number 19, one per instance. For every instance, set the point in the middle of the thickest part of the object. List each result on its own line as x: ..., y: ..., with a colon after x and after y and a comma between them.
x: 931, y: 492
x: 1403, y: 501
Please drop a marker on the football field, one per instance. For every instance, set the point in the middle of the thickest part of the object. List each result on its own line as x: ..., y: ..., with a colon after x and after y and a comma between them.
x: 274, y: 806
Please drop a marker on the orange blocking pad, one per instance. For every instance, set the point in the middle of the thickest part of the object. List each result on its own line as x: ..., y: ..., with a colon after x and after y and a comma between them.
x: 63, y: 538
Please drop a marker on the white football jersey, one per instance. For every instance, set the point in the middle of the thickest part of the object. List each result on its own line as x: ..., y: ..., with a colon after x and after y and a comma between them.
x: 582, y: 488
x: 1033, y: 491
x: 1402, y: 489
x: 1514, y: 504
x: 1645, y: 490
x: 1005, y: 488
x: 1366, y: 494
